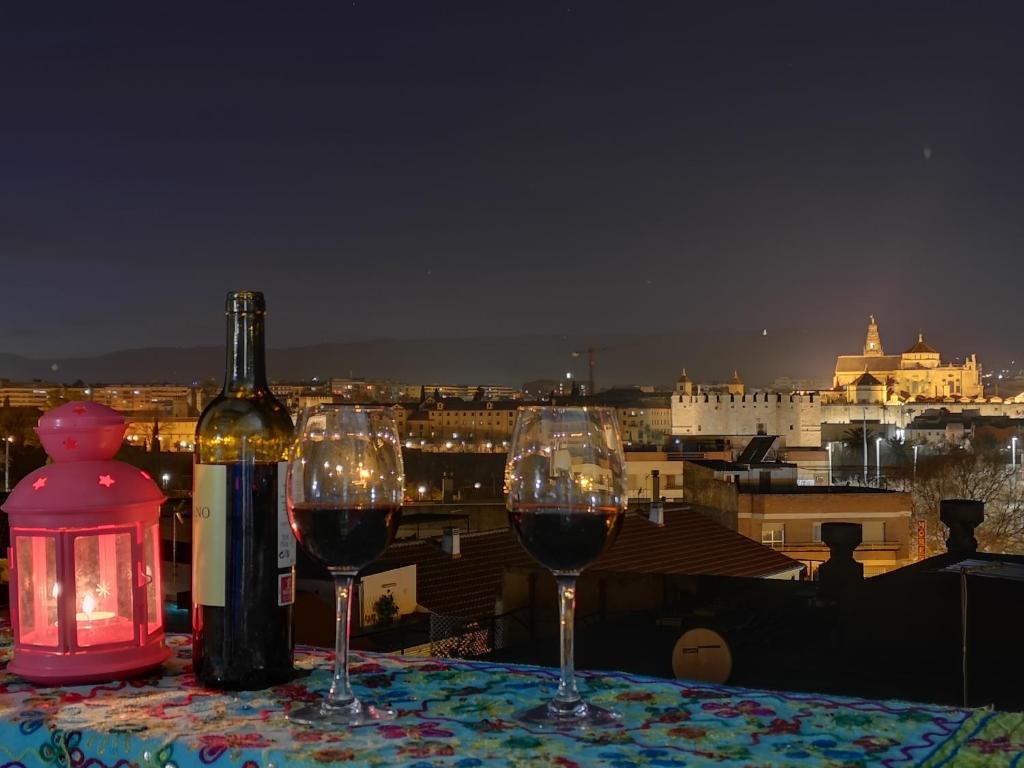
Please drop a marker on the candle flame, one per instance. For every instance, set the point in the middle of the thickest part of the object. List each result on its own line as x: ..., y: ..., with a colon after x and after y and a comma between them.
x: 56, y: 590
x: 88, y: 604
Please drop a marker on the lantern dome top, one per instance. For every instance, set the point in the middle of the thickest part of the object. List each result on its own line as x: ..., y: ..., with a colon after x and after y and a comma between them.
x: 81, y: 431
x: 79, y: 415
x: 83, y: 486
x: 84, y: 478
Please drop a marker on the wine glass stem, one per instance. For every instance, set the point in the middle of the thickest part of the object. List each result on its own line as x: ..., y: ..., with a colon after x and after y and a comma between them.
x: 567, y: 693
x: 341, y: 694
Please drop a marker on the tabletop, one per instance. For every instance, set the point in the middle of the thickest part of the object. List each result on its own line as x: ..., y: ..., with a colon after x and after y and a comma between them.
x: 458, y: 713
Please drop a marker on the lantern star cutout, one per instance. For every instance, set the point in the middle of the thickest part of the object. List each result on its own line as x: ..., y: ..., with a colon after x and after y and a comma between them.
x: 39, y: 483
x: 71, y: 443
x: 78, y: 410
x: 106, y: 481
x: 102, y: 589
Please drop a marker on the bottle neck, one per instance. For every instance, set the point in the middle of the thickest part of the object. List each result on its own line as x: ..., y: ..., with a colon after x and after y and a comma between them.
x: 246, y: 369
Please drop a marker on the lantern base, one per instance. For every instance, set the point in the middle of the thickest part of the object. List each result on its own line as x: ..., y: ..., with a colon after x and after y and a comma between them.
x: 53, y: 668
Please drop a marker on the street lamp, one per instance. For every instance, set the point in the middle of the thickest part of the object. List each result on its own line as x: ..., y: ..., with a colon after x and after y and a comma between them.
x: 878, y: 461
x: 1013, y: 452
x: 915, y: 461
x: 421, y: 490
x: 165, y: 479
x: 864, y: 434
x: 830, y: 464
x: 6, y: 462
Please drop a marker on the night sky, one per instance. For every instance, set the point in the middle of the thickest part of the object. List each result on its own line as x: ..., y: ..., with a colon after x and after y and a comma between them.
x: 436, y: 169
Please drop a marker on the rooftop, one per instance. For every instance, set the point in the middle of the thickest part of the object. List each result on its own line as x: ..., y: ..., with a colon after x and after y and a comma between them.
x: 690, y: 543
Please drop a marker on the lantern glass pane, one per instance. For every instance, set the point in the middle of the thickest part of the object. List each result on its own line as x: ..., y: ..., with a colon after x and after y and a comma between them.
x: 37, y: 590
x: 104, y: 605
x: 151, y: 565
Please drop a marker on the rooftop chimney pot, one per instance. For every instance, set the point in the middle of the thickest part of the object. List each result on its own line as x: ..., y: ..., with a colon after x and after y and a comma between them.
x: 961, y: 516
x: 450, y: 544
x: 841, y: 571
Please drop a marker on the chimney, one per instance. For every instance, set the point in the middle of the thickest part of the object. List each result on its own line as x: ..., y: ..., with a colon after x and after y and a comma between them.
x: 450, y: 542
x: 961, y: 516
x: 655, y: 485
x: 841, y: 571
x: 656, y: 512
x: 447, y: 488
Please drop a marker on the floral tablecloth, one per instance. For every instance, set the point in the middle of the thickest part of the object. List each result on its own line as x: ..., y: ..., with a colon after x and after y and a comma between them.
x: 456, y: 713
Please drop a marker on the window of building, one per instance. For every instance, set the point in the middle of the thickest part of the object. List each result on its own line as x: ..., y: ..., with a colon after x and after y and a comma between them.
x: 773, y: 534
x: 874, y: 532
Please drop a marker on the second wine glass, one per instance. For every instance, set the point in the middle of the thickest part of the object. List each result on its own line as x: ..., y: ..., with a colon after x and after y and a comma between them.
x: 566, y: 486
x: 345, y: 487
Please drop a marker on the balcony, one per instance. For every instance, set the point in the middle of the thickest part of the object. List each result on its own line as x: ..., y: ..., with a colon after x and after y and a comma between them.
x: 815, y: 546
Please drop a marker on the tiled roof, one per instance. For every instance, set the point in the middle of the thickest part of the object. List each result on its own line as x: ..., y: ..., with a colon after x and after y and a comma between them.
x: 689, y: 543
x: 921, y: 347
x: 866, y: 380
x: 860, y: 363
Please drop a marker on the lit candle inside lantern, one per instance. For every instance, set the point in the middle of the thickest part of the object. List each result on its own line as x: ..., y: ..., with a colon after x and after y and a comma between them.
x: 89, y: 612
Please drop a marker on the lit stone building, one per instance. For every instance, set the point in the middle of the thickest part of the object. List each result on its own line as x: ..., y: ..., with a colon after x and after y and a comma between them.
x: 453, y: 420
x: 874, y: 376
x: 795, y: 418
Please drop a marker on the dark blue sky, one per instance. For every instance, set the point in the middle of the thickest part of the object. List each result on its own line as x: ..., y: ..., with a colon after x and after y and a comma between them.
x: 452, y: 169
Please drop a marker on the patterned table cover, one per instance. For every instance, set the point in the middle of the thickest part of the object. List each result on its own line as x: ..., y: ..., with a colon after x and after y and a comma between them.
x: 457, y: 713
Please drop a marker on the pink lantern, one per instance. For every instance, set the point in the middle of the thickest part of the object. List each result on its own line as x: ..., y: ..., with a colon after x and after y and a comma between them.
x: 86, y: 603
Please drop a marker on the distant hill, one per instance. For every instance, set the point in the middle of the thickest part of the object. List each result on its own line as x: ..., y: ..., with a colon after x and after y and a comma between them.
x: 622, y: 359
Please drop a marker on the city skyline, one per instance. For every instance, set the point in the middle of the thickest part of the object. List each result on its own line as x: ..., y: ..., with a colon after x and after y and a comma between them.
x: 620, y: 360
x: 399, y: 172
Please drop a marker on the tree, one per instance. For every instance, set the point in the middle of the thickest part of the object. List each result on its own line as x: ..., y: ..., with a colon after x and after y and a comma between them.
x: 384, y: 610
x: 979, y: 473
x: 899, y: 453
x: 853, y: 439
x: 19, y: 422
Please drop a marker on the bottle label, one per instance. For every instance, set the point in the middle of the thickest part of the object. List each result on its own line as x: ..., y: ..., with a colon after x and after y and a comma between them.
x: 285, y: 540
x: 285, y: 537
x: 209, y: 533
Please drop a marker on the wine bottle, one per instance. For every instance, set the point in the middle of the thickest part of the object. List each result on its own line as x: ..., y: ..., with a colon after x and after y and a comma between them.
x: 243, y: 550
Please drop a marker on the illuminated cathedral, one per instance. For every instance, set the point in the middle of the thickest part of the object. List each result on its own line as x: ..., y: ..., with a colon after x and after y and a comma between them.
x: 919, y: 372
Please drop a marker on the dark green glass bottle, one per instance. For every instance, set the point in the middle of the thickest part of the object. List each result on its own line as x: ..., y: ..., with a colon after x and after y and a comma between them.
x: 243, y: 550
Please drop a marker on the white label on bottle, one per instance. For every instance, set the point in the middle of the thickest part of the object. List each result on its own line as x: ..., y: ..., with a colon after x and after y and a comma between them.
x: 285, y: 537
x: 209, y: 533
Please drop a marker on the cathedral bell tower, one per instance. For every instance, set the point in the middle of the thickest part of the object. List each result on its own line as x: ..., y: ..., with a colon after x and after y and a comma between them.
x: 873, y: 342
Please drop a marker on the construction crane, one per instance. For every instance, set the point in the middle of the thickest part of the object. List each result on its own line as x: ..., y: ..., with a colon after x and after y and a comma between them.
x: 591, y: 353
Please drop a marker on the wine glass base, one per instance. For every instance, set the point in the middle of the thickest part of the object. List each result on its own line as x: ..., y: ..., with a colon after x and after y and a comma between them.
x: 352, y: 715
x: 580, y: 717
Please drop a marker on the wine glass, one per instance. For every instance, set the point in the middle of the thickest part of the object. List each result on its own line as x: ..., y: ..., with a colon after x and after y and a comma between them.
x: 566, y: 484
x: 345, y: 485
